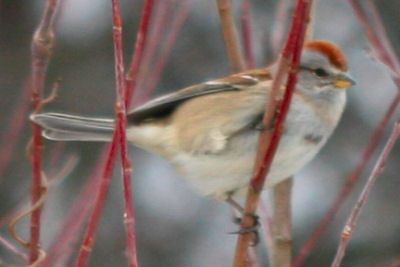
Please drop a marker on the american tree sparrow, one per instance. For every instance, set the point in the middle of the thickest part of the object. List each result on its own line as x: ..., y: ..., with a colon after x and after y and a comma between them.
x: 209, y: 131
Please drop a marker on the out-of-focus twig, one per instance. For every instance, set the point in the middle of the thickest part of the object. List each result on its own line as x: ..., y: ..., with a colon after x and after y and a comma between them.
x: 279, y: 29
x: 158, y: 26
x: 12, y: 131
x: 247, y: 33
x: 230, y: 35
x: 175, y: 28
x: 7, y: 245
x: 383, y: 52
x: 395, y: 263
x: 62, y: 245
x: 42, y: 49
x: 267, y: 226
x: 281, y: 224
x: 268, y: 141
x: 376, y: 172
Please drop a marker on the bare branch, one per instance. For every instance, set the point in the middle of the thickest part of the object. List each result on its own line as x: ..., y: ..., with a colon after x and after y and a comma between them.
x: 42, y: 49
x: 141, y: 38
x: 382, y: 48
x: 268, y: 141
x: 376, y: 172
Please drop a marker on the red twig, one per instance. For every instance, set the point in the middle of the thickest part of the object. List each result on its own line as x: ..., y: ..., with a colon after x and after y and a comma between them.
x: 168, y: 44
x: 141, y: 37
x: 384, y: 53
x: 395, y: 263
x: 158, y: 26
x: 268, y: 142
x: 42, y: 50
x: 376, y: 172
x: 119, y: 138
x: 230, y: 35
x: 121, y: 109
x: 349, y: 183
x: 87, y: 243
x: 247, y: 33
x: 378, y: 38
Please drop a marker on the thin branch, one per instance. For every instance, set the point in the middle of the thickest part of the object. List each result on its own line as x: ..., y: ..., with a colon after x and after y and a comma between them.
x: 268, y: 142
x: 282, y: 226
x: 349, y: 184
x: 382, y: 48
x: 141, y: 38
x: 247, y: 33
x: 42, y: 50
x: 376, y: 172
x: 230, y: 35
x: 378, y: 38
x: 121, y: 109
x: 119, y: 139
x: 88, y: 240
x: 157, y: 28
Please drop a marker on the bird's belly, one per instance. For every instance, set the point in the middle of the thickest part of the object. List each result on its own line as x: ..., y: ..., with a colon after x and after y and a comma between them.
x: 220, y: 175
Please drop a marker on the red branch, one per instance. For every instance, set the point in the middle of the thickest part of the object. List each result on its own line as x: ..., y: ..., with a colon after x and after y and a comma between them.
x: 141, y: 37
x: 42, y: 50
x: 119, y: 136
x: 376, y: 172
x: 157, y: 27
x: 88, y: 240
x: 384, y: 53
x: 268, y: 142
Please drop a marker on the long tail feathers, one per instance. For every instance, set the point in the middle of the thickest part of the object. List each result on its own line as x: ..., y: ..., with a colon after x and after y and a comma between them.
x: 64, y: 127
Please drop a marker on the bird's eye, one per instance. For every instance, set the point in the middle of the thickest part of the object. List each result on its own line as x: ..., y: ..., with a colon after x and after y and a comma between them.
x: 320, y: 72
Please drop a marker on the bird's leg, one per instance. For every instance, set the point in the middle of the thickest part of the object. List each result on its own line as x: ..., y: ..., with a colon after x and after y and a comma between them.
x: 237, y: 220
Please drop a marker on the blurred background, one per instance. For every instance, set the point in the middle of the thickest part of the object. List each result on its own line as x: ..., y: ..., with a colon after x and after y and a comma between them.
x: 175, y: 226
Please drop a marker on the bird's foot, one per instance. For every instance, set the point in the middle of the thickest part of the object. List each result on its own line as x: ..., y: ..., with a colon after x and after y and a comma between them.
x: 252, y: 229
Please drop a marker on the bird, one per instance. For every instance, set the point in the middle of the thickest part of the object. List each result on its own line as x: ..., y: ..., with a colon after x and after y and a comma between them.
x: 209, y: 131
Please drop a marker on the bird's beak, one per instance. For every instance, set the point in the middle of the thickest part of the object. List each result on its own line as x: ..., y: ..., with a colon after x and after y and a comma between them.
x: 344, y: 81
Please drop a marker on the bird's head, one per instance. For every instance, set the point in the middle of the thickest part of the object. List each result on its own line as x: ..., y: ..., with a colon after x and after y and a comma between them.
x: 323, y: 69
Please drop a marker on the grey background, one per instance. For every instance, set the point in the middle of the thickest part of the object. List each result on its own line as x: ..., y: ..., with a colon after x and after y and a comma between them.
x: 176, y: 227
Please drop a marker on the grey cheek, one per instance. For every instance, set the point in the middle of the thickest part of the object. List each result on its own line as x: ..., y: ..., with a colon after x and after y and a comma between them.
x: 313, y: 138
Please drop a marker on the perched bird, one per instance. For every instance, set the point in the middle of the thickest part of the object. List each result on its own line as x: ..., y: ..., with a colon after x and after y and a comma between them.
x: 209, y: 131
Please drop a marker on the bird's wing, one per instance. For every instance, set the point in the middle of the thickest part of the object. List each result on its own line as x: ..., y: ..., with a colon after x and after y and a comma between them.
x: 164, y: 105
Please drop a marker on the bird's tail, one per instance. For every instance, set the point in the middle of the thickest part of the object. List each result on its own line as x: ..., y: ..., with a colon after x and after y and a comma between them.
x: 64, y: 127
